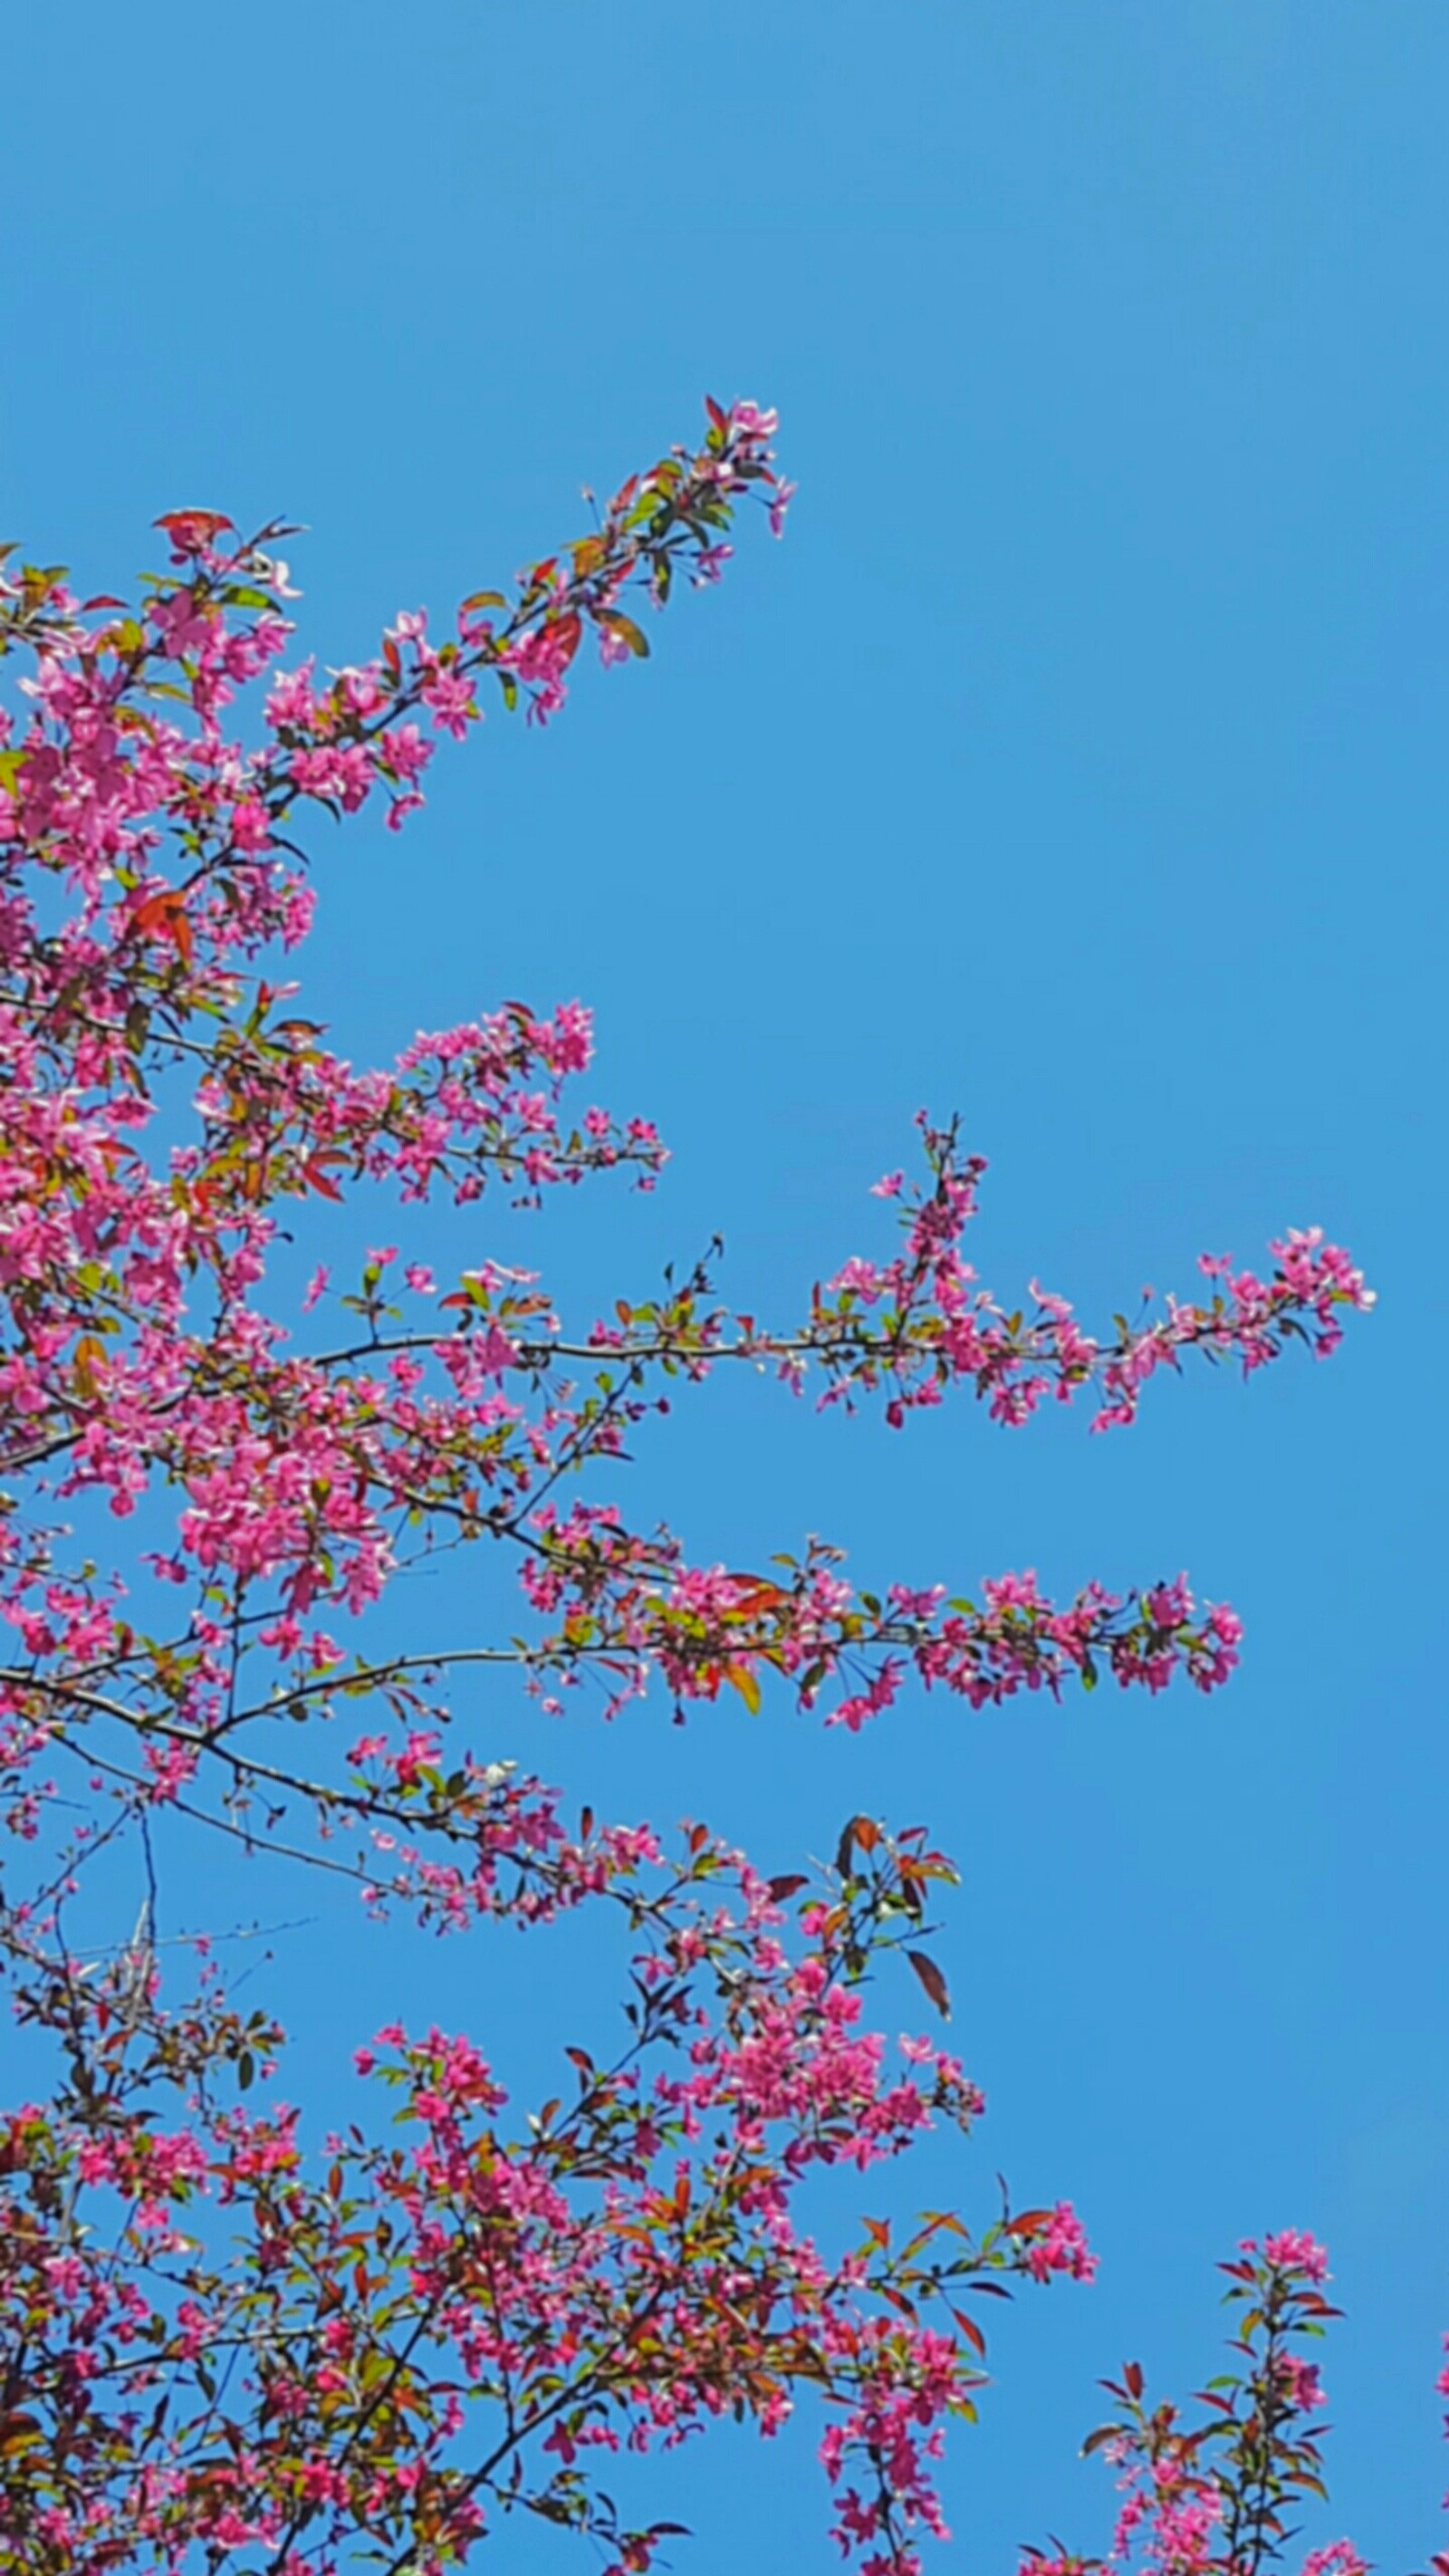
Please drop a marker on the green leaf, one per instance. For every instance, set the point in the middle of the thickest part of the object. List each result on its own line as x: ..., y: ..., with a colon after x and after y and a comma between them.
x: 634, y: 636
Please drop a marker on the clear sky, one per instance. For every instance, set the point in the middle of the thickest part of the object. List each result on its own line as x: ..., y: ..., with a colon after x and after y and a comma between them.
x: 1077, y: 762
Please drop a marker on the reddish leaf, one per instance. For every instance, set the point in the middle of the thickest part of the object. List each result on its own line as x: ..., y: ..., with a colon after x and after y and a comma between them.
x: 166, y: 914
x: 933, y: 1981
x: 190, y: 530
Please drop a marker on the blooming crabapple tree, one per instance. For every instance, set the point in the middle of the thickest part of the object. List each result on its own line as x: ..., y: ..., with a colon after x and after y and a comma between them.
x: 222, y: 2346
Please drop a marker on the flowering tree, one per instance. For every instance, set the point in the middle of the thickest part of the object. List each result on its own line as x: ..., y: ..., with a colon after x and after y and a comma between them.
x: 220, y: 2348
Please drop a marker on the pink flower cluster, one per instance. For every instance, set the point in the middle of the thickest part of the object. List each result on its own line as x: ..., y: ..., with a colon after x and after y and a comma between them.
x: 429, y: 2328
x: 614, y: 2276
x: 633, y: 1603
x: 1208, y: 2496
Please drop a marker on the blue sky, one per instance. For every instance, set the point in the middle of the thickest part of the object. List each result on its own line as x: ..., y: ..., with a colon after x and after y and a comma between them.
x: 1078, y: 762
